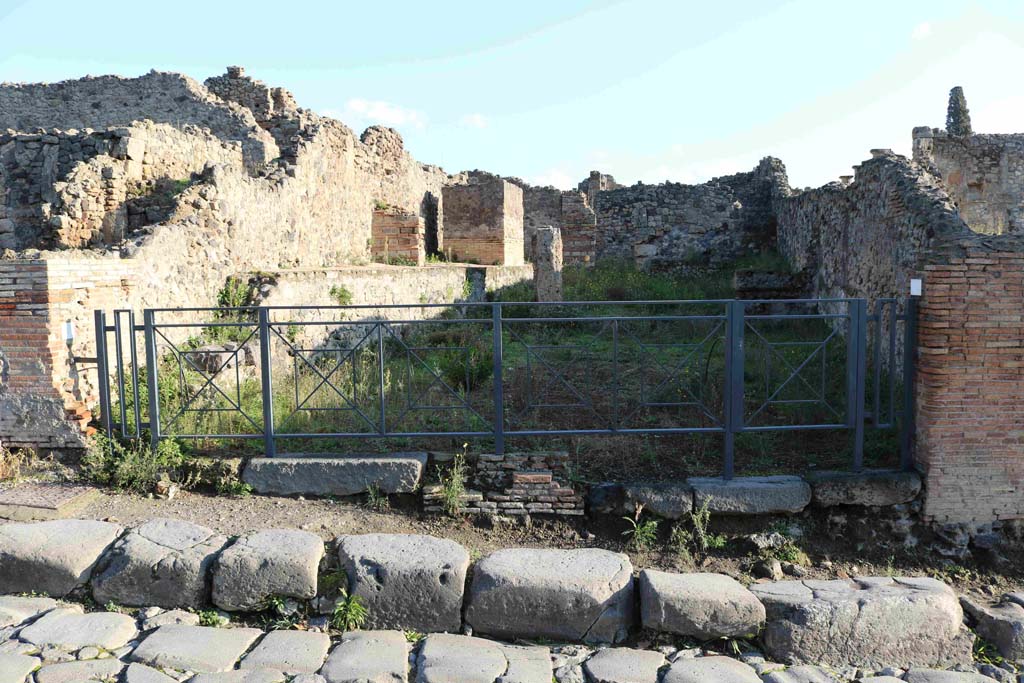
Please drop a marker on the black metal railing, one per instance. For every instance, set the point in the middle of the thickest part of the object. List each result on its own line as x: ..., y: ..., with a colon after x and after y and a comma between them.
x: 508, y: 370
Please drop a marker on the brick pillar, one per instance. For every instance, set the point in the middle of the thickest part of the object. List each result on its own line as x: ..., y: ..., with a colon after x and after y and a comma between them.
x: 547, y: 263
x: 397, y: 234
x: 970, y: 387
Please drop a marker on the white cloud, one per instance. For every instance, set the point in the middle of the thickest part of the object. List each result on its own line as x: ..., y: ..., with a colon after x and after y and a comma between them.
x: 359, y: 112
x: 556, y: 177
x: 474, y: 120
x: 921, y: 31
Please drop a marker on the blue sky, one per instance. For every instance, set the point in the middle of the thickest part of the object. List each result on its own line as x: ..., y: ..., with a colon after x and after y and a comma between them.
x: 646, y: 90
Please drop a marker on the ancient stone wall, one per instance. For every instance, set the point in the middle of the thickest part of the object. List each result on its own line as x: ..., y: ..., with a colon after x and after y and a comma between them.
x: 484, y: 222
x: 970, y: 381
x: 984, y: 174
x: 105, y: 101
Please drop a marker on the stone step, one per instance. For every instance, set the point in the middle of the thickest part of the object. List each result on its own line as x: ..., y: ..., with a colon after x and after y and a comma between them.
x: 322, y: 474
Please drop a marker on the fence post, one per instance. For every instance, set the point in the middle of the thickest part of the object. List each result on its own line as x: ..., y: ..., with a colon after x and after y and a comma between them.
x: 102, y: 370
x: 152, y: 376
x: 267, y: 383
x: 499, y: 389
x: 857, y: 376
x: 909, y: 368
x: 732, y: 403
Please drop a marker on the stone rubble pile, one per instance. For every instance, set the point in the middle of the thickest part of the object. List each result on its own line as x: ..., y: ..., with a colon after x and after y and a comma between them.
x: 874, y: 629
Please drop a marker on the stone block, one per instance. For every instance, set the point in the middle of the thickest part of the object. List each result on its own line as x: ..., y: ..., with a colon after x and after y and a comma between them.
x: 1001, y: 624
x: 873, y: 487
x: 52, y: 557
x: 70, y: 630
x: 703, y: 606
x: 140, y: 673
x: 577, y: 595
x: 81, y: 672
x: 290, y: 652
x: 624, y: 665
x: 265, y: 564
x: 406, y: 581
x: 670, y: 499
x: 340, y: 476
x: 445, y: 658
x: 163, y: 562
x: 15, y: 610
x: 942, y: 676
x: 368, y: 657
x: 194, y: 648
x: 751, y: 495
x: 801, y: 674
x: 710, y: 670
x: 866, y: 622
x: 16, y: 668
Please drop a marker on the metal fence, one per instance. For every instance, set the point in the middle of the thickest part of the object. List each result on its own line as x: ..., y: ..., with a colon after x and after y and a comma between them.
x: 505, y: 370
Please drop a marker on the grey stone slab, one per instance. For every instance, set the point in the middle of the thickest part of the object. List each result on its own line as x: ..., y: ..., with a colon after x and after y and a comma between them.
x: 917, y: 675
x: 751, y: 495
x: 194, y: 648
x: 15, y: 610
x: 163, y: 562
x: 577, y: 595
x: 368, y: 657
x: 670, y: 499
x: 407, y: 581
x: 249, y: 676
x: 445, y: 658
x: 802, y: 673
x: 624, y: 665
x: 338, y: 476
x: 264, y: 564
x: 140, y: 673
x: 710, y: 670
x: 293, y: 652
x: 69, y: 629
x: 52, y: 557
x: 881, y: 679
x: 701, y: 605
x: 169, y: 618
x: 870, y: 487
x: 309, y: 678
x: 15, y: 668
x: 79, y: 672
x: 870, y: 622
x: 1001, y: 624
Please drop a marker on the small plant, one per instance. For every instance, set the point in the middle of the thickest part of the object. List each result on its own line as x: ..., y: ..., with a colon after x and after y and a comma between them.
x: 11, y: 462
x: 413, y: 637
x: 132, y: 467
x: 333, y: 582
x: 377, y: 500
x: 211, y: 617
x: 233, y: 487
x: 680, y: 541
x: 279, y: 616
x: 985, y: 652
x: 112, y: 607
x: 453, y: 483
x: 380, y: 205
x: 641, y: 534
x: 341, y: 295
x: 349, y: 613
x: 704, y: 540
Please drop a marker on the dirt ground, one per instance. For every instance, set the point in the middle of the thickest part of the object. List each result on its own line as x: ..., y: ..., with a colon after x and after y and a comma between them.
x: 836, y: 545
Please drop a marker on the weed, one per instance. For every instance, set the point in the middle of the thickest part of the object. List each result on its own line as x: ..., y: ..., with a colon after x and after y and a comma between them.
x: 380, y: 205
x: 641, y: 534
x: 453, y: 483
x: 234, y: 487
x: 333, y: 582
x: 279, y: 616
x: 211, y: 617
x: 376, y: 499
x: 349, y: 613
x: 12, y: 462
x: 341, y: 295
x: 112, y: 607
x: 701, y: 519
x: 413, y: 636
x: 680, y: 541
x: 985, y: 652
x: 134, y: 467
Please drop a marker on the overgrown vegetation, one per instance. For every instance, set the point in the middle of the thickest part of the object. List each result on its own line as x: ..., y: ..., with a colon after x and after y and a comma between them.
x: 131, y: 466
x: 376, y: 499
x: 341, y: 295
x: 12, y: 461
x: 696, y: 537
x: 453, y: 483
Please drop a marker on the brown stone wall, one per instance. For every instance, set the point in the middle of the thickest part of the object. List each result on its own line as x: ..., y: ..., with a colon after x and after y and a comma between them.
x: 970, y: 386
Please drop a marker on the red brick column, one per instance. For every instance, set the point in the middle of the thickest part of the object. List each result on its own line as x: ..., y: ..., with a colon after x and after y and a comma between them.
x: 970, y: 387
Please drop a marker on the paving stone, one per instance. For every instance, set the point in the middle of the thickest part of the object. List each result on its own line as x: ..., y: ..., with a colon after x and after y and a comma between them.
x: 624, y: 665
x: 670, y: 499
x: 865, y: 622
x: 870, y: 487
x: 701, y: 605
x: 251, y: 676
x: 311, y: 678
x: 348, y: 476
x: 40, y: 501
x: 140, y: 673
x: 163, y: 562
x: 445, y: 658
x: 264, y: 564
x: 407, y: 581
x: 293, y: 652
x: 194, y: 648
x: 69, y: 629
x: 801, y: 674
x: 881, y: 679
x: 576, y: 595
x: 1001, y: 624
x: 940, y: 676
x: 710, y: 670
x: 80, y: 672
x: 169, y: 618
x: 15, y: 668
x: 751, y: 495
x: 368, y: 657
x: 52, y: 557
x: 15, y: 610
